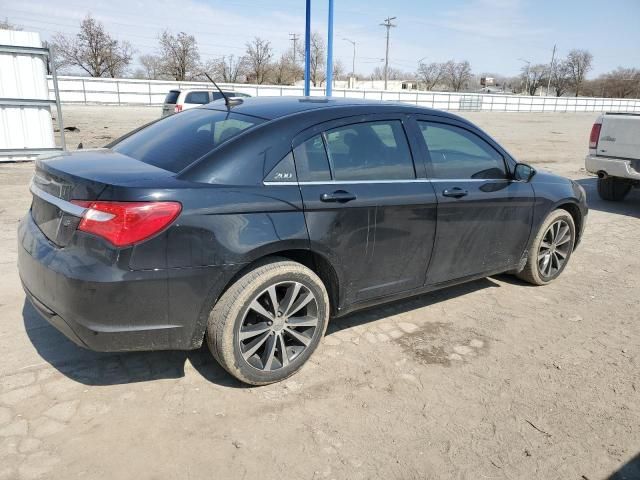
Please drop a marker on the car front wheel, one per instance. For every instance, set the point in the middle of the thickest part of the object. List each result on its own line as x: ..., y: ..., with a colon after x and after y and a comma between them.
x: 551, y: 249
x: 269, y: 322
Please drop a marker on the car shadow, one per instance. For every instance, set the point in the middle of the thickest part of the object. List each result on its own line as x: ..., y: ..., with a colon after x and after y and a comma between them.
x: 96, y: 368
x: 630, y: 206
x: 103, y: 369
x: 628, y: 471
x: 402, y: 306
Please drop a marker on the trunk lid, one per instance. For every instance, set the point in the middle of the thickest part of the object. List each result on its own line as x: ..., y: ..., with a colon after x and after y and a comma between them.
x: 82, y: 175
x: 620, y: 136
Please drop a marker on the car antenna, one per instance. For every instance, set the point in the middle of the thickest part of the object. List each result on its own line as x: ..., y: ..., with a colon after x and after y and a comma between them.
x: 227, y: 101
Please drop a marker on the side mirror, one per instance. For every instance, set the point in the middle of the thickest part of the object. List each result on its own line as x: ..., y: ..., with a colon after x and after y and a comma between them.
x: 523, y: 172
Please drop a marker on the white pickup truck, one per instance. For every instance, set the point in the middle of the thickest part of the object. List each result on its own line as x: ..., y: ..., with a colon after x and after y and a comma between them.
x: 614, y: 154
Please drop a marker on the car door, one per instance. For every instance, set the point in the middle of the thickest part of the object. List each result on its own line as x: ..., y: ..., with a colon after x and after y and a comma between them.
x: 365, y: 207
x: 484, y: 216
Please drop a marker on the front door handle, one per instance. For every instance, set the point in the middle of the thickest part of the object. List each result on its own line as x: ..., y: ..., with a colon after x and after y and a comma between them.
x: 455, y: 192
x: 339, y: 196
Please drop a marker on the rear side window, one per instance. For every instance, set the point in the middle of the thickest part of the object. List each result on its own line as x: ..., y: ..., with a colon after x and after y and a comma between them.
x: 457, y: 153
x: 370, y: 151
x: 172, y: 96
x: 311, y: 161
x: 284, y: 171
x: 197, y: 97
x: 177, y: 141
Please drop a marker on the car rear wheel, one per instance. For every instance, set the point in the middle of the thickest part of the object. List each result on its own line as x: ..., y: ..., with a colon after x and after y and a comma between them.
x: 551, y: 249
x: 613, y: 189
x: 269, y: 322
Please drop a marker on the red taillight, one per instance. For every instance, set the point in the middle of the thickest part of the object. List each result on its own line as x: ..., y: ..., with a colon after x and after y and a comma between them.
x: 595, y: 135
x: 177, y: 109
x: 126, y: 223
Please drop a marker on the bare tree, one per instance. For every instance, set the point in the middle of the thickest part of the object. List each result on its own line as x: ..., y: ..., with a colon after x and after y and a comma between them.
x: 179, y: 55
x: 258, y: 59
x: 93, y: 50
x: 534, y: 77
x: 118, y: 59
x: 457, y: 74
x: 285, y: 70
x: 429, y: 74
x: 560, y: 78
x: 151, y: 67
x: 317, y: 59
x: 230, y: 68
x: 338, y: 70
x: 579, y: 63
x: 622, y: 83
x: 6, y: 25
x: 393, y: 74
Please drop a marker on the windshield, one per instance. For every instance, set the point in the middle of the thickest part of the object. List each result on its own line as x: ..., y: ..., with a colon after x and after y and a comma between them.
x: 177, y: 141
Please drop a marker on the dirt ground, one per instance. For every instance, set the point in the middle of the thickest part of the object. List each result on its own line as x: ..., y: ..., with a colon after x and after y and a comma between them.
x: 494, y: 379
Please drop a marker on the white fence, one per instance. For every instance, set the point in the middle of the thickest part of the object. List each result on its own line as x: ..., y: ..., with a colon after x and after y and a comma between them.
x: 85, y: 90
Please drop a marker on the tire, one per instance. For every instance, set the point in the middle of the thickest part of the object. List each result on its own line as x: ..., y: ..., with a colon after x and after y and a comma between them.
x: 247, y: 308
x: 543, y: 264
x: 613, y: 189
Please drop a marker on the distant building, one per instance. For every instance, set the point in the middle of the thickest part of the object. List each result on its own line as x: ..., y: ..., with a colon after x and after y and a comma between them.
x: 487, y: 81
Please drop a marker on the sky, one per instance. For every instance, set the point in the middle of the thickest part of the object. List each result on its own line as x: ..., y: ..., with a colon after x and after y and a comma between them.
x: 495, y: 36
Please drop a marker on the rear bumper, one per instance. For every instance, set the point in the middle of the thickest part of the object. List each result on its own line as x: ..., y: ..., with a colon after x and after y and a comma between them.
x: 104, y: 307
x: 613, y: 167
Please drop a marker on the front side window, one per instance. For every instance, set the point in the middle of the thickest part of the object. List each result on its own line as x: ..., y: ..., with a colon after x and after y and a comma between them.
x: 457, y: 153
x: 177, y: 141
x: 370, y: 151
x: 197, y: 97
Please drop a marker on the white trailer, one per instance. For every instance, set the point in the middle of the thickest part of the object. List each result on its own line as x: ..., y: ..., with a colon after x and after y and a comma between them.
x: 26, y: 130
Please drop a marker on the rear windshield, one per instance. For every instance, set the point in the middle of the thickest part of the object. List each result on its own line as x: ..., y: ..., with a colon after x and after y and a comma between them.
x: 172, y: 96
x: 175, y: 142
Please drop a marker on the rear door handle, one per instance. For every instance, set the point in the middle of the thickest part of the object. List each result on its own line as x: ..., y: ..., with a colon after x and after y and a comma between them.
x: 339, y: 196
x: 455, y: 192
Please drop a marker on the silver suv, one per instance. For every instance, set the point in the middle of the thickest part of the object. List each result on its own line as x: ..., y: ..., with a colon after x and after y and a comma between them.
x: 179, y: 100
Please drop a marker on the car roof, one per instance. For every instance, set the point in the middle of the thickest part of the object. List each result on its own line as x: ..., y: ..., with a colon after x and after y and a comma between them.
x: 271, y: 108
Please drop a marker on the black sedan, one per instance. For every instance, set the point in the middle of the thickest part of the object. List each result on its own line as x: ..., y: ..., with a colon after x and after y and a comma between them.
x: 251, y: 225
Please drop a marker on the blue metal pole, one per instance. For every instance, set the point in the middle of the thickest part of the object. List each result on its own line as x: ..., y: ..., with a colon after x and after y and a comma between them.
x: 329, y: 86
x: 307, y: 51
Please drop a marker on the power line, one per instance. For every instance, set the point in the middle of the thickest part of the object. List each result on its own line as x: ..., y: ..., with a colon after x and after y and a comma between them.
x: 388, y: 25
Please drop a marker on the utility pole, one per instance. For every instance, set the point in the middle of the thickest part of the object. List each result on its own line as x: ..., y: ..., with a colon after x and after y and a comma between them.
x: 388, y: 25
x: 553, y: 57
x: 353, y: 63
x: 294, y: 38
x: 527, y: 73
x: 329, y: 74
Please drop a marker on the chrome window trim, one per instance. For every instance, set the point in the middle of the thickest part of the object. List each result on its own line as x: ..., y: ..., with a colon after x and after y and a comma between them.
x: 63, y: 205
x: 415, y: 180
